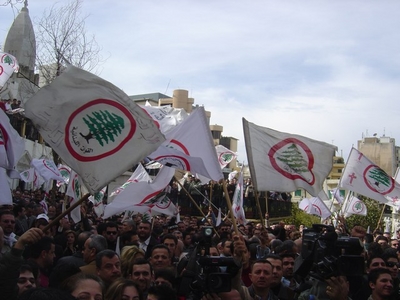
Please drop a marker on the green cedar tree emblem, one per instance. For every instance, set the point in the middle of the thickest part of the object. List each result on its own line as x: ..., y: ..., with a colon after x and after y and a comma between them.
x: 293, y: 160
x: 379, y: 177
x: 227, y: 157
x: 8, y: 60
x: 103, y: 126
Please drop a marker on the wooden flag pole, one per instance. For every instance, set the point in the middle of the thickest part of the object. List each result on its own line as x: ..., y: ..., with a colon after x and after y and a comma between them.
x: 229, y: 204
x: 259, y: 208
x: 380, y: 218
x: 190, y: 197
x: 194, y: 202
x: 211, y: 190
x: 67, y: 211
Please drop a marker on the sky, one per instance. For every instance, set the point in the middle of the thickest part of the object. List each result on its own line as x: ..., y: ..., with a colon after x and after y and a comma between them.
x: 327, y: 70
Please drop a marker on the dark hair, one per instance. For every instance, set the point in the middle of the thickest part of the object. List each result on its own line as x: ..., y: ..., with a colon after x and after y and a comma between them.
x: 81, y: 239
x: 167, y: 274
x: 71, y: 283
x: 374, y: 274
x: 116, y: 289
x: 162, y: 292
x: 160, y: 246
x: 142, y: 261
x: 45, y: 294
x: 61, y: 272
x: 105, y: 253
x: 125, y: 238
x: 171, y: 237
x: 44, y: 244
x: 260, y: 261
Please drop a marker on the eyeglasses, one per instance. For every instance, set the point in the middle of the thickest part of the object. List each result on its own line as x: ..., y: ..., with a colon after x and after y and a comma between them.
x: 111, y: 232
x: 392, y: 264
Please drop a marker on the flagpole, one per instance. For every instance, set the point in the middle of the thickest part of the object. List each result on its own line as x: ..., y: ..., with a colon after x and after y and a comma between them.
x: 67, y: 211
x: 194, y: 202
x: 259, y: 207
x: 190, y: 197
x: 211, y: 189
x: 229, y: 204
x: 380, y: 218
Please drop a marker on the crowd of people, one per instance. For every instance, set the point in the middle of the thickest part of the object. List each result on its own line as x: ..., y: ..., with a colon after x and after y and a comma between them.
x: 129, y: 257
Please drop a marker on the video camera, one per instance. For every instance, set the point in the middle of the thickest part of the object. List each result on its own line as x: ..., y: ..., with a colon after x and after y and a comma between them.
x: 202, y: 274
x: 324, y: 254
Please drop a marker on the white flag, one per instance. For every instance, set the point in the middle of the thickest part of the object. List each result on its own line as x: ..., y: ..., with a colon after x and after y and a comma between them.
x: 97, y: 201
x: 47, y: 169
x: 355, y: 207
x: 237, y: 201
x: 193, y: 138
x: 94, y: 126
x: 219, y: 218
x: 12, y: 145
x: 165, y: 117
x: 364, y: 177
x: 315, y: 206
x: 6, y: 197
x: 285, y: 162
x: 65, y: 172
x: 28, y: 175
x: 144, y: 193
x: 140, y: 174
x: 74, y: 190
x: 8, y: 65
x: 336, y: 194
x: 225, y: 156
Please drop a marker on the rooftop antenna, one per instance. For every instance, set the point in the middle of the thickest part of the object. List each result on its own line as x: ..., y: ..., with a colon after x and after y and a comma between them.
x: 384, y: 131
x: 167, y: 87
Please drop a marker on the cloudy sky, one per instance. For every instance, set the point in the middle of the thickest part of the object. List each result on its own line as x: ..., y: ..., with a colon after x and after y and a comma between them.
x: 328, y: 70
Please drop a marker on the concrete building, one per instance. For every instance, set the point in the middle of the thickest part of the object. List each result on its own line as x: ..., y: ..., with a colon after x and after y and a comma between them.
x: 382, y: 151
x: 180, y: 99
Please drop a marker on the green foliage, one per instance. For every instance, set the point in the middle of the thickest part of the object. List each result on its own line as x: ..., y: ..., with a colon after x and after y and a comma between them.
x: 374, y: 210
x: 299, y: 217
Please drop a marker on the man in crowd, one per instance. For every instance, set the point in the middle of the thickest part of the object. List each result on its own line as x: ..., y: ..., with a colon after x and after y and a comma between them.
x: 146, y: 241
x: 43, y: 253
x: 93, y: 245
x: 7, y: 223
x: 108, y: 266
x: 142, y: 274
x: 381, y: 284
x: 160, y: 257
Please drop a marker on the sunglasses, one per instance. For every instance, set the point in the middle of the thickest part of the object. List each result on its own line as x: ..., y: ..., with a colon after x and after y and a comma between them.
x: 392, y: 264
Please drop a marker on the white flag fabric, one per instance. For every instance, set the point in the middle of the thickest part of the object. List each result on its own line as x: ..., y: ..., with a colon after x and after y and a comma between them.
x: 336, y: 194
x: 6, y: 197
x: 163, y: 205
x: 315, y: 206
x: 97, y: 201
x: 165, y: 117
x: 225, y: 156
x: 144, y: 193
x: 74, y: 190
x: 47, y: 169
x: 362, y: 176
x: 237, y: 201
x: 219, y: 218
x: 37, y: 180
x: 193, y: 138
x: 95, y: 127
x: 285, y: 162
x: 232, y: 175
x: 65, y: 172
x: 28, y: 175
x: 8, y: 65
x: 12, y: 145
x: 355, y: 207
x: 140, y: 174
